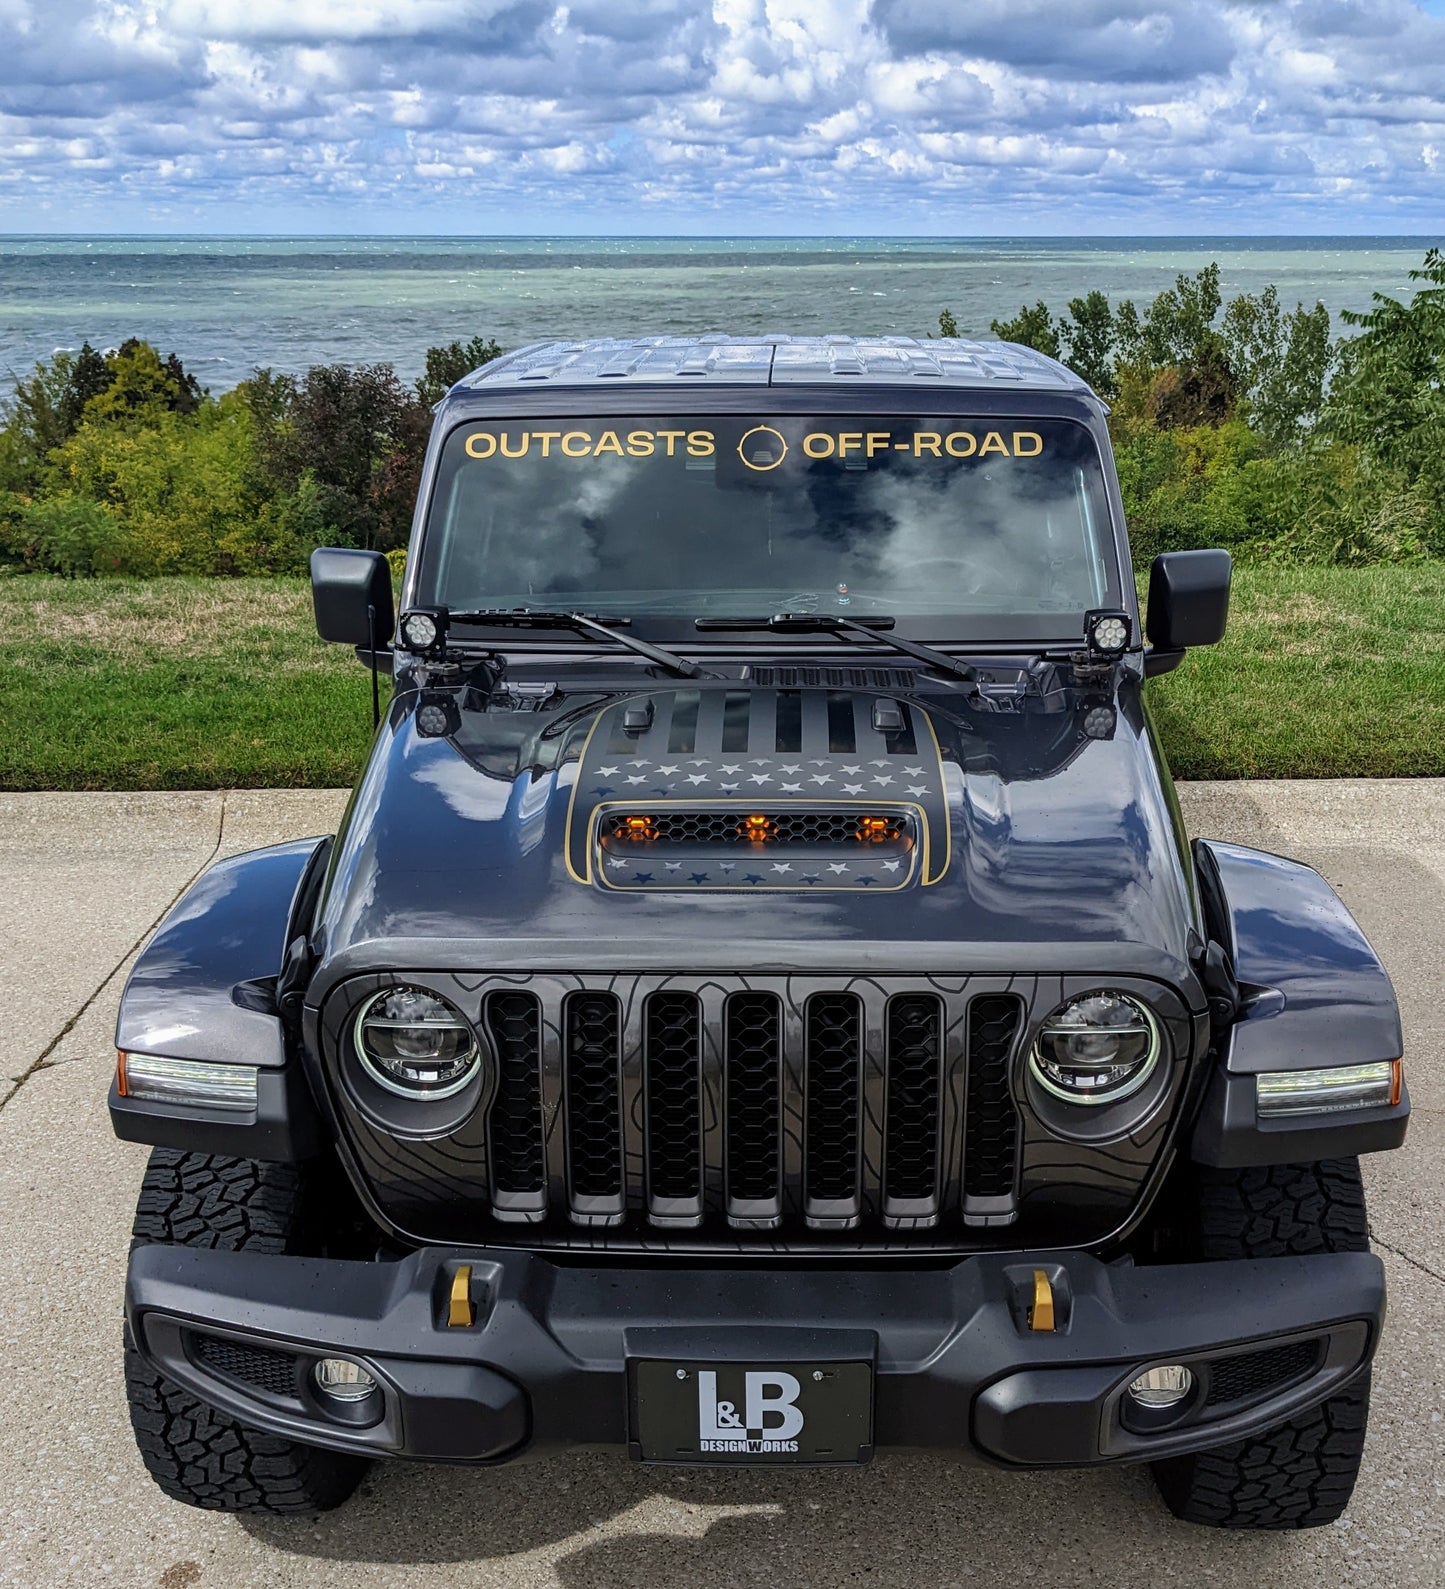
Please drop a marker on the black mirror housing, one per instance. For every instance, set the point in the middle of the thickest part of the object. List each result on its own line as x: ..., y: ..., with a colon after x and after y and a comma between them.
x: 1188, y: 599
x: 351, y: 593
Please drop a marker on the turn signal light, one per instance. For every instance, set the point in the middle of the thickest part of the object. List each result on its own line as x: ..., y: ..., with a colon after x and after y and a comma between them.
x: 638, y: 828
x: 1332, y: 1090
x: 757, y: 829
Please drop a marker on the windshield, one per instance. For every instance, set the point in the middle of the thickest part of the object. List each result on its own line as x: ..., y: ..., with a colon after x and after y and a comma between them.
x: 945, y: 518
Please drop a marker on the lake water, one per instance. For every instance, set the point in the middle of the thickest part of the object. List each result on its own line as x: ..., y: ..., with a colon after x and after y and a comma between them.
x: 229, y: 304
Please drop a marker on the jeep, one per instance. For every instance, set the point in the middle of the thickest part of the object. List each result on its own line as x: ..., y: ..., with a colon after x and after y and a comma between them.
x: 761, y: 1005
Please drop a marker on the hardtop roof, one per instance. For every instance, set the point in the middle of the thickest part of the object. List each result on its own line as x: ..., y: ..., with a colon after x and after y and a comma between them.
x: 776, y: 361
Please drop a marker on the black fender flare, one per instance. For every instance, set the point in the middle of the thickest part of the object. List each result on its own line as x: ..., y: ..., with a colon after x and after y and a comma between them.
x: 205, y: 988
x: 1312, y: 994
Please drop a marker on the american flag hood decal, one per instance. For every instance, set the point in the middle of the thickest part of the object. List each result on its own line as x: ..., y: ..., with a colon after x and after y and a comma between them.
x: 744, y: 789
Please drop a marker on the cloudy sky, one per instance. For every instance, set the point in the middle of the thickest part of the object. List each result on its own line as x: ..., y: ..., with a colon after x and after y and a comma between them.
x: 707, y: 116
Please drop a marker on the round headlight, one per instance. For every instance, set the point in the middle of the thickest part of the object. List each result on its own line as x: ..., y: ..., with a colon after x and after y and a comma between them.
x: 416, y: 1044
x: 1097, y: 1048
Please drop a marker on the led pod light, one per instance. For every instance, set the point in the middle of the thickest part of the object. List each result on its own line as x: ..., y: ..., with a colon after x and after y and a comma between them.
x: 423, y: 630
x: 1279, y: 1093
x: 1098, y: 1048
x: 415, y: 1044
x: 1107, y: 631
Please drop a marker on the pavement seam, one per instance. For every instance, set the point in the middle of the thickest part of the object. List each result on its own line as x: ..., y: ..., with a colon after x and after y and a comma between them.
x: 1405, y: 1257
x: 43, y: 1060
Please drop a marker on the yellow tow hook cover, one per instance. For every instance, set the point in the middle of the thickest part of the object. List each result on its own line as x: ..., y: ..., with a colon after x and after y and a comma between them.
x: 461, y: 1314
x: 1041, y: 1314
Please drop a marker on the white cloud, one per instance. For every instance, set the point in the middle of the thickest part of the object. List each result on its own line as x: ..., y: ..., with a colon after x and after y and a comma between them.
x: 918, y: 114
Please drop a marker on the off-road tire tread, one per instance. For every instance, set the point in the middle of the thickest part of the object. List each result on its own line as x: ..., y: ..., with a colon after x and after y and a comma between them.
x: 1300, y: 1474
x: 194, y: 1453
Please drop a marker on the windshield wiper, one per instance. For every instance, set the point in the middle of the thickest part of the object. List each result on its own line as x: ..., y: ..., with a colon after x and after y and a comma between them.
x: 530, y: 618
x: 871, y: 628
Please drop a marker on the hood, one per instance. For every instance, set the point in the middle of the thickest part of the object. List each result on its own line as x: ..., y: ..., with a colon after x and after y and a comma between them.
x: 796, y: 820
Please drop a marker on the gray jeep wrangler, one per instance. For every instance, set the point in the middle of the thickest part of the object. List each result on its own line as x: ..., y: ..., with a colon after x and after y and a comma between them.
x: 761, y: 1005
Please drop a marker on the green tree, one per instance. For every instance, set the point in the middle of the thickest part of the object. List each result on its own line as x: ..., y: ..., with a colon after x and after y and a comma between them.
x: 1035, y: 328
x: 142, y: 386
x: 359, y: 432
x: 947, y: 325
x: 1389, y: 395
x: 446, y: 365
x: 1088, y: 335
x: 1281, y: 362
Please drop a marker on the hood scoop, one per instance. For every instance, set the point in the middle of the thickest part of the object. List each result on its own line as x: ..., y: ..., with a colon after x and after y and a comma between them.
x: 759, y: 788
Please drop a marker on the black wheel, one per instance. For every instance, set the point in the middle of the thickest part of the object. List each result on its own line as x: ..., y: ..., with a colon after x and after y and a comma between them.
x: 196, y: 1454
x: 1300, y: 1474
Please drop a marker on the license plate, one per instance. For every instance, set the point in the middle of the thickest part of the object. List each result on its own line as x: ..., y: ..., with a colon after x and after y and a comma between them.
x: 752, y: 1414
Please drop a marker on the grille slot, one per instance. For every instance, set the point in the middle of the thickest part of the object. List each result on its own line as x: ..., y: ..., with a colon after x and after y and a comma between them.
x: 753, y: 1049
x: 832, y: 1109
x: 991, y: 1120
x: 593, y: 1071
x: 673, y: 1029
x: 1257, y: 1373
x: 272, y: 1373
x: 914, y: 1114
x: 514, y: 1127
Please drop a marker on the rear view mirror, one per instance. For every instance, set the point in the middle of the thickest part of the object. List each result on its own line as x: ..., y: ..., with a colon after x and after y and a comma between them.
x: 351, y: 592
x: 1188, y: 599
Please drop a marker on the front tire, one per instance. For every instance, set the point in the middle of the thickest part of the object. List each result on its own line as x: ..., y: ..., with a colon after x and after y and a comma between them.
x: 194, y: 1453
x: 1302, y: 1473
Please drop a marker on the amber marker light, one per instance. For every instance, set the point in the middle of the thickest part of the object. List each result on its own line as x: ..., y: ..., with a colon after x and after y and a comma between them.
x: 638, y: 828
x: 120, y: 1084
x: 757, y: 829
x: 873, y: 830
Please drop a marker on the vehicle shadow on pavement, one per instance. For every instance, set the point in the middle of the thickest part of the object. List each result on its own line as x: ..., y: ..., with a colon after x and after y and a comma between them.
x: 598, y: 1520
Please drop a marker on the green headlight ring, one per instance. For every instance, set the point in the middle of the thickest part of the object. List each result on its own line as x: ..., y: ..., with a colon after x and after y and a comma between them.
x: 1125, y: 1089
x: 421, y: 1093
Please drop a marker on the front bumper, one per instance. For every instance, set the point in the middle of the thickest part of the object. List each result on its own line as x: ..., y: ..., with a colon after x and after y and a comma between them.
x: 545, y: 1363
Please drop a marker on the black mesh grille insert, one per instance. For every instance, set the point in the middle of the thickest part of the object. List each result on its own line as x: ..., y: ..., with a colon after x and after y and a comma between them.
x: 834, y: 1069
x: 910, y: 1154
x: 990, y: 1148
x: 518, y: 1162
x: 594, y: 1095
x: 1256, y: 1373
x: 674, y: 1092
x: 753, y: 1026
x: 258, y: 1366
x: 755, y: 828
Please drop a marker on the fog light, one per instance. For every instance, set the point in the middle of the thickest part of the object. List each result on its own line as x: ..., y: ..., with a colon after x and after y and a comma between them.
x: 192, y: 1082
x: 1162, y: 1387
x: 339, y: 1379
x: 1340, y: 1087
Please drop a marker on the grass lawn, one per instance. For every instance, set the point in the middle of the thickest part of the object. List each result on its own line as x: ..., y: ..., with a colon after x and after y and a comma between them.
x: 208, y: 683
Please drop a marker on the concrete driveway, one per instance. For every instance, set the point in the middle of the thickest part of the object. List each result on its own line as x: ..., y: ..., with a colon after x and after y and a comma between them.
x: 84, y: 878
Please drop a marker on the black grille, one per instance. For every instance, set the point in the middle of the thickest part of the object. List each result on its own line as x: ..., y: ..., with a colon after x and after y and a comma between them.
x: 753, y: 1041
x: 990, y: 1151
x: 1257, y: 1373
x: 594, y: 1102
x: 832, y: 1102
x: 519, y: 1168
x: 274, y: 1373
x: 759, y: 828
x: 915, y: 1078
x: 674, y: 1102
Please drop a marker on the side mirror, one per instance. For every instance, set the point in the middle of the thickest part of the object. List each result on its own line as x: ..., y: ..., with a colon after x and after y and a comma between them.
x: 1188, y: 599
x: 351, y: 592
